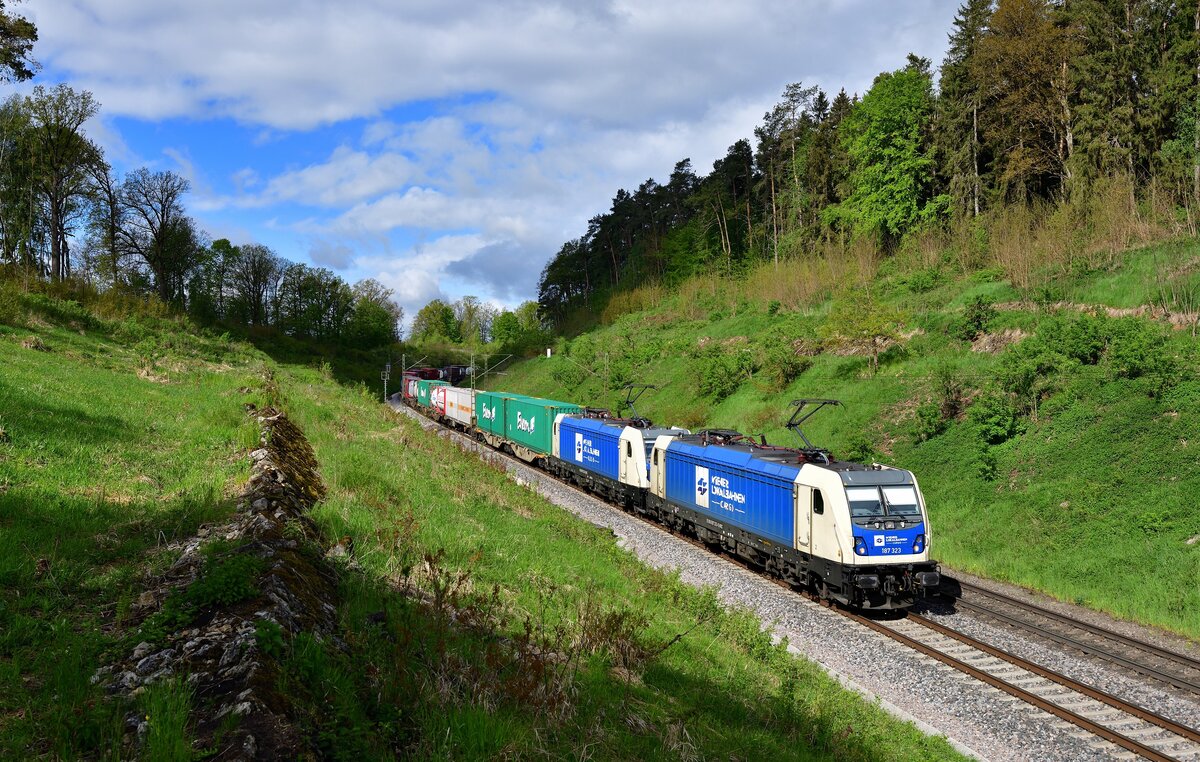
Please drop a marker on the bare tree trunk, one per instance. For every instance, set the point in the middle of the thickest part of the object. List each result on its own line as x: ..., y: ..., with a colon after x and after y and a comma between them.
x: 55, y: 241
x: 975, y: 153
x: 774, y: 220
x: 1068, y: 133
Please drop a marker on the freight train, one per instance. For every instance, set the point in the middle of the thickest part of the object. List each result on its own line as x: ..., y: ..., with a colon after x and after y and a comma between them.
x: 852, y: 533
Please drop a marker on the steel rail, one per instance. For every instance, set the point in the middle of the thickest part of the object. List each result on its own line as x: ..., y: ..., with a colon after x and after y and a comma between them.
x: 1091, y: 726
x: 1149, y: 670
x: 1067, y: 682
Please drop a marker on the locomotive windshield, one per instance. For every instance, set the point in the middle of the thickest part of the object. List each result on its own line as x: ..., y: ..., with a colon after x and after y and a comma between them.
x: 877, y: 502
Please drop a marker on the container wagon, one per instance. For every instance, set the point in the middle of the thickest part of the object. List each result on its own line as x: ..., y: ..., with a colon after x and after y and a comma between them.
x: 423, y: 391
x: 523, y: 424
x: 458, y: 406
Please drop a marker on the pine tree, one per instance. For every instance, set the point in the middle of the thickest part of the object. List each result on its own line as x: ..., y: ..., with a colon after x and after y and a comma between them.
x: 1021, y: 67
x: 960, y: 154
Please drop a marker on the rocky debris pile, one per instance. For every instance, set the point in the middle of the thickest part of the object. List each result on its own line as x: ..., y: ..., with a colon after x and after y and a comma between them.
x: 226, y: 626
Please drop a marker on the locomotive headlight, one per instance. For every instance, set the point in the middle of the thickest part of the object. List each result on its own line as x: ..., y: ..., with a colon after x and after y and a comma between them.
x: 860, y: 546
x: 919, y: 544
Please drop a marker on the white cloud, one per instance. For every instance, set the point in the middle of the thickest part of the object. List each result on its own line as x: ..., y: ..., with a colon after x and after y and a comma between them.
x: 490, y: 132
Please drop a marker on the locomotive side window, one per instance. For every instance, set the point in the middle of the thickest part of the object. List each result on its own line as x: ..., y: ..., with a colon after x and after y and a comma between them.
x: 656, y: 457
x: 628, y: 450
x: 818, y: 501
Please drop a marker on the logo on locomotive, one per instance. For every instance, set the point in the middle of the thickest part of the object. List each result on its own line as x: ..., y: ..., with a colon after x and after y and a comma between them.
x: 579, y: 447
x: 702, y: 486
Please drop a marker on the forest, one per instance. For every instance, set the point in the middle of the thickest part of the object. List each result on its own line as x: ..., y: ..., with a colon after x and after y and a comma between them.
x: 1052, y: 130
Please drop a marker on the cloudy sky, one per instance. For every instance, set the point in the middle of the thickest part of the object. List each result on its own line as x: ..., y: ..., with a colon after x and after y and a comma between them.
x: 447, y: 148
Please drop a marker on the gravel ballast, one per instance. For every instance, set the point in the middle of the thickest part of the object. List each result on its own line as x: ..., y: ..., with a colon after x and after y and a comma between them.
x: 979, y: 720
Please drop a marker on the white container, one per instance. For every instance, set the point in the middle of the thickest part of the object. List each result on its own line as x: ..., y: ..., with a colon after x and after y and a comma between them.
x: 460, y: 405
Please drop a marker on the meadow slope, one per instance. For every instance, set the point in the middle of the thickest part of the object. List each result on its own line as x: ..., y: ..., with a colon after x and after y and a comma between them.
x: 476, y: 620
x: 1053, y: 431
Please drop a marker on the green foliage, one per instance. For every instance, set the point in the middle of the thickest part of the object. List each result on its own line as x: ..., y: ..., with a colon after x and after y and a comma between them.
x: 860, y: 448
x: 227, y: 579
x: 977, y: 318
x: 720, y: 371
x: 994, y: 418
x: 886, y: 137
x: 1137, y: 348
x: 165, y: 707
x: 370, y: 326
x: 11, y: 310
x: 859, y: 320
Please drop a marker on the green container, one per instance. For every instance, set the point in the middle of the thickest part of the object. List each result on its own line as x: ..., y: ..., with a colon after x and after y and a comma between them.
x: 529, y: 421
x: 423, y: 387
x: 489, y: 410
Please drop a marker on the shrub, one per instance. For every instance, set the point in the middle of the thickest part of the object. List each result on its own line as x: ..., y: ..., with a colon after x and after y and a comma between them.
x: 860, y: 448
x: 930, y: 422
x: 976, y: 319
x: 995, y: 418
x: 1137, y: 348
x: 719, y: 372
x: 779, y: 361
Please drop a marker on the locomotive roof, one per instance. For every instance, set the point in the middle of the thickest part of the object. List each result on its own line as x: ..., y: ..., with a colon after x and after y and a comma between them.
x: 618, y: 425
x: 787, y: 462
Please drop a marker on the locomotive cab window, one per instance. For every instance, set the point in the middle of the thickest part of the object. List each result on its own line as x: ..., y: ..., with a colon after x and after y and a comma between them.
x: 869, y: 504
x: 628, y: 450
x: 818, y: 502
x: 656, y: 457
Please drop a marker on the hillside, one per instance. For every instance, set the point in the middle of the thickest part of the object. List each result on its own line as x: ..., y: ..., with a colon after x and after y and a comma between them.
x: 1052, y: 429
x: 473, y: 618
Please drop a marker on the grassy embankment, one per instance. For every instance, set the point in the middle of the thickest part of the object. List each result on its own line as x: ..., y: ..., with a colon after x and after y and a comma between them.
x: 1065, y: 462
x: 532, y: 633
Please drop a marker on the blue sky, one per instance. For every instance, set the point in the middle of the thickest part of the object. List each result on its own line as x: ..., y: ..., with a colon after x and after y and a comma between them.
x: 446, y: 148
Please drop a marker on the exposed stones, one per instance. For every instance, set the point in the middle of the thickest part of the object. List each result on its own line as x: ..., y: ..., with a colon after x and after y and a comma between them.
x: 218, y: 654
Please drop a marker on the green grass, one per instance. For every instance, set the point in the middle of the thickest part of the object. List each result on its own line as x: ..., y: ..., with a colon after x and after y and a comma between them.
x: 98, y: 466
x: 1090, y: 502
x: 129, y: 432
x: 722, y: 689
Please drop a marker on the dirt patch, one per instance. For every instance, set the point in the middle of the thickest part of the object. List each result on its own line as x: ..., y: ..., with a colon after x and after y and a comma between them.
x: 35, y: 343
x: 992, y: 343
x: 1176, y: 319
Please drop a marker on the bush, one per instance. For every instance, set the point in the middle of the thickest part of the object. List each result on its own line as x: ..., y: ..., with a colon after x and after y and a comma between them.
x: 976, y: 319
x: 860, y: 448
x: 995, y: 418
x: 930, y: 422
x: 1137, y: 348
x: 779, y: 361
x: 720, y: 372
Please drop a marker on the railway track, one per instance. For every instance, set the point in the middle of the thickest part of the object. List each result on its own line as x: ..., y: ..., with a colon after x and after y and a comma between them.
x: 1137, y: 730
x: 1159, y: 664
